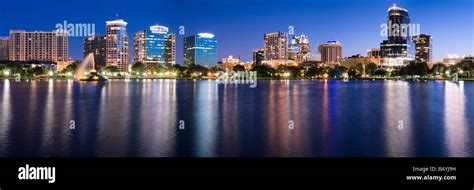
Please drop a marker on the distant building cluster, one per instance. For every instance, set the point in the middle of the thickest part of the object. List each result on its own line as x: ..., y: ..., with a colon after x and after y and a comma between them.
x: 156, y: 45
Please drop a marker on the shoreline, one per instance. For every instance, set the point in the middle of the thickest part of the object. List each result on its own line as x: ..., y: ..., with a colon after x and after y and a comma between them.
x: 259, y: 79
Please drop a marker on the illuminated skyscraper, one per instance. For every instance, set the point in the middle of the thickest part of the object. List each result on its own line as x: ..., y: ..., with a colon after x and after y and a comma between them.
x: 299, y: 50
x: 170, y: 49
x: 423, y: 48
x: 275, y: 46
x: 398, y: 32
x: 38, y: 46
x: 398, y: 49
x: 117, y: 49
x: 155, y: 46
x: 200, y: 49
x: 331, y: 52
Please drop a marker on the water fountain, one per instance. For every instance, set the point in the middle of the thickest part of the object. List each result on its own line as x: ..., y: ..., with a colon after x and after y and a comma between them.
x: 92, y: 75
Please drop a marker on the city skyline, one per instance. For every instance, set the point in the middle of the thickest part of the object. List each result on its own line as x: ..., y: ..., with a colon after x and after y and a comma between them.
x: 240, y: 34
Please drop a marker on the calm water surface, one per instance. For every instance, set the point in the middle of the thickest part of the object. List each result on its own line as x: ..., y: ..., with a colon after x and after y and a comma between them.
x: 330, y: 118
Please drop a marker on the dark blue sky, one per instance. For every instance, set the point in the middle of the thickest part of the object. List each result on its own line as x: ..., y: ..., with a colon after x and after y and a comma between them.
x: 239, y: 25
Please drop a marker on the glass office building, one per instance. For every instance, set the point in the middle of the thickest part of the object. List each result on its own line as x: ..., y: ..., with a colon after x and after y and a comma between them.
x: 200, y: 49
x: 396, y: 45
x: 155, y: 46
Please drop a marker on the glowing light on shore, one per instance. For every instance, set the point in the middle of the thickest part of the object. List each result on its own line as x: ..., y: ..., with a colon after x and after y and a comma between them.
x: 6, y: 73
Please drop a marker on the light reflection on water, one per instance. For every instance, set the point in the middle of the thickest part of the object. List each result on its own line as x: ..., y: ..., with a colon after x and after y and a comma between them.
x: 456, y: 135
x: 330, y: 118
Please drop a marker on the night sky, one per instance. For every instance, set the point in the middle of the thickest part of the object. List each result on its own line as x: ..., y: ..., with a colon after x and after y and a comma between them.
x: 239, y: 25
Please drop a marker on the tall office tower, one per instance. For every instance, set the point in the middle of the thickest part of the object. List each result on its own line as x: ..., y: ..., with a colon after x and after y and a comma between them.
x: 258, y: 56
x: 170, y: 49
x: 117, y: 52
x: 299, y: 48
x: 423, y: 50
x: 155, y: 46
x: 200, y: 49
x: 4, y: 48
x: 331, y: 52
x: 139, y: 47
x: 96, y: 45
x: 395, y: 49
x: 38, y: 46
x: 275, y: 46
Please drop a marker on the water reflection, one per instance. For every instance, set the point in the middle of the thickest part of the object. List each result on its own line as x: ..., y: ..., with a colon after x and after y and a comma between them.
x: 206, y: 113
x: 398, y: 125
x: 330, y: 118
x: 5, y: 116
x: 456, y: 136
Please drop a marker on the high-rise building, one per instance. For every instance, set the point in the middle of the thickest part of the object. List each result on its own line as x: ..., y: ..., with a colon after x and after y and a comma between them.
x: 275, y: 46
x: 331, y: 52
x: 423, y: 44
x: 4, y: 48
x: 95, y: 44
x: 155, y: 46
x: 117, y: 52
x: 258, y: 56
x: 170, y: 49
x: 299, y: 49
x: 200, y: 49
x: 397, y: 49
x: 397, y: 35
x: 38, y: 46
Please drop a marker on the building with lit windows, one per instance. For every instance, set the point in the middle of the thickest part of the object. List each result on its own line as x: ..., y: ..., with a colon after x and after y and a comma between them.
x: 38, y: 46
x: 155, y: 46
x: 258, y: 56
x: 396, y: 50
x: 275, y: 48
x: 331, y: 52
x: 4, y: 48
x: 117, y: 52
x: 96, y: 45
x: 200, y: 49
x: 230, y: 62
x: 299, y: 49
x: 423, y: 44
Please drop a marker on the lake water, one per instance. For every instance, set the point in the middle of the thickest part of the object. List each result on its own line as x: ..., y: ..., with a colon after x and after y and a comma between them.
x: 277, y: 118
